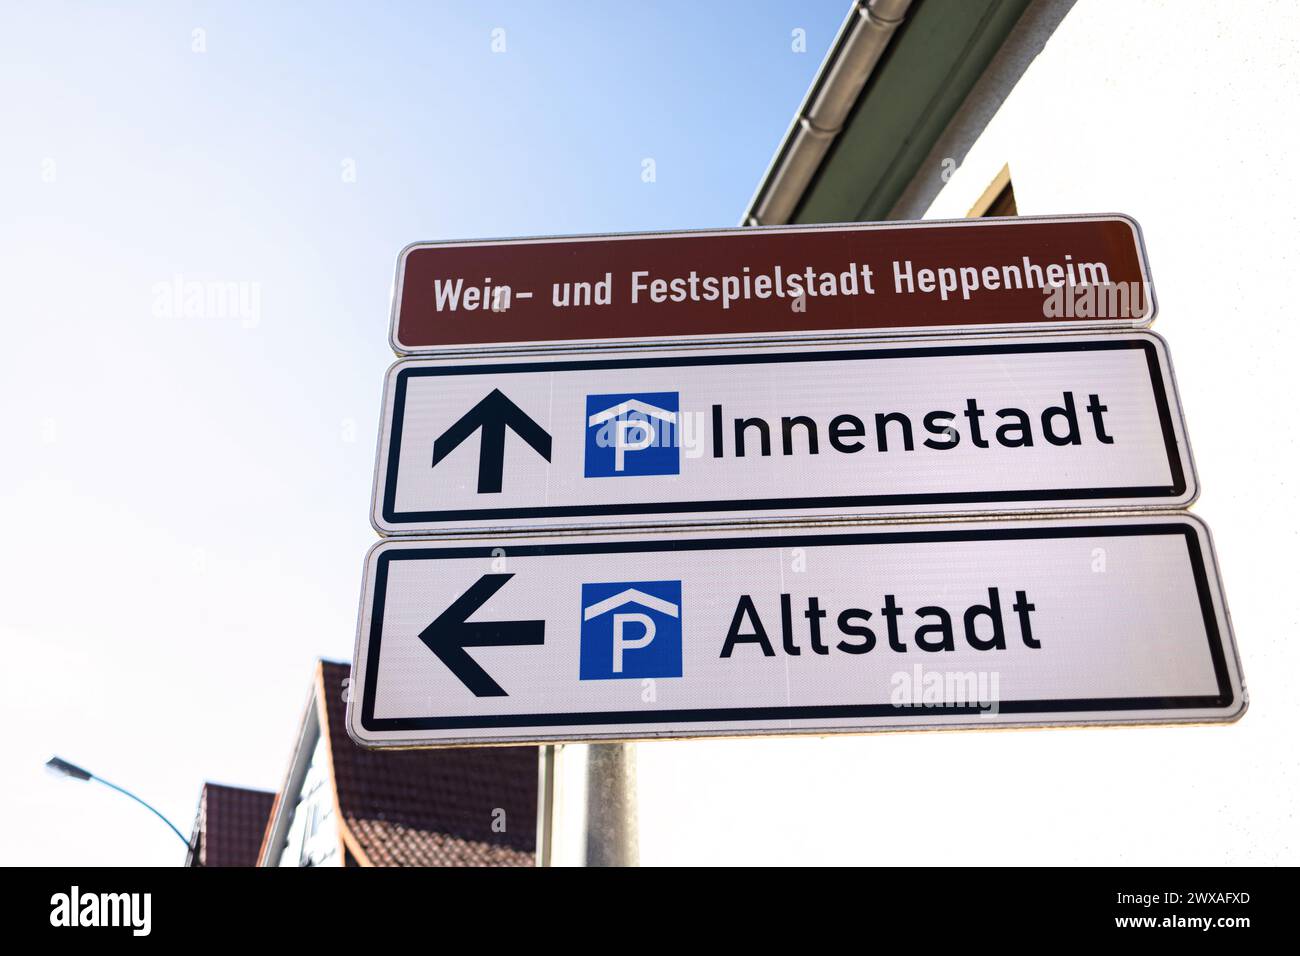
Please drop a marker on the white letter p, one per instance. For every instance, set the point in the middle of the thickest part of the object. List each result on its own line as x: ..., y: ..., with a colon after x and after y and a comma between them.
x: 645, y: 435
x: 621, y: 643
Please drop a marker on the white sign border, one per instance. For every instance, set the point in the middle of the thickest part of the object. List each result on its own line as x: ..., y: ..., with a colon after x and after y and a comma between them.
x: 748, y: 518
x: 1210, y: 587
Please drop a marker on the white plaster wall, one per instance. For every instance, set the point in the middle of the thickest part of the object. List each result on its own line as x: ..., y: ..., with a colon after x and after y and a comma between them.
x: 1184, y: 115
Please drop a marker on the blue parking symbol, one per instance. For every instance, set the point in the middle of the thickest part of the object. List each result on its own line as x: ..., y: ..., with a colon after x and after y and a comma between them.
x: 632, y: 433
x: 631, y: 630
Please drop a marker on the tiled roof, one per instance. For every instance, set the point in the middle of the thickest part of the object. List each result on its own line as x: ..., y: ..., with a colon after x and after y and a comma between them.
x: 230, y: 825
x: 462, y: 807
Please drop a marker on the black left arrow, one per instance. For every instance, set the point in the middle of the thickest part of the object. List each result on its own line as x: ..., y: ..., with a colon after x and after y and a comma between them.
x: 492, y: 416
x: 450, y: 634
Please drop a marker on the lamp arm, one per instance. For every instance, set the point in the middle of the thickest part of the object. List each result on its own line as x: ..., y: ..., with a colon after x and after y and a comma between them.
x: 112, y: 786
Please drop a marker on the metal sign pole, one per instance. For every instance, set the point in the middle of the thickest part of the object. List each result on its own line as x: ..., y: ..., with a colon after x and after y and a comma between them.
x: 612, y: 838
x: 546, y: 790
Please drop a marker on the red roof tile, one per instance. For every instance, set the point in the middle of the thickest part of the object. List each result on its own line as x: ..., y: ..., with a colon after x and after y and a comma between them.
x: 230, y: 825
x: 464, y: 807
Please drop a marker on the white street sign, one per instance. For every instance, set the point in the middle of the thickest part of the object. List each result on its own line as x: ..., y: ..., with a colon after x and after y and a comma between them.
x: 741, y: 436
x: 1074, y: 620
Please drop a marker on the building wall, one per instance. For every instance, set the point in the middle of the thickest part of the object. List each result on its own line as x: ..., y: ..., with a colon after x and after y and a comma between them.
x: 313, y: 838
x: 1183, y: 115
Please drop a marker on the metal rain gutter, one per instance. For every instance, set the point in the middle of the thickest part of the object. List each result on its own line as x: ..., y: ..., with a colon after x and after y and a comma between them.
x: 858, y: 46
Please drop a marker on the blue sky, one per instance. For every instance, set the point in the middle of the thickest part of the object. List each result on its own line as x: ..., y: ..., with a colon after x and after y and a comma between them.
x: 185, y: 492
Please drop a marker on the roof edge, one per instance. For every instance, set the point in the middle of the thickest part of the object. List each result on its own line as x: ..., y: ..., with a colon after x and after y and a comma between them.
x: 858, y: 46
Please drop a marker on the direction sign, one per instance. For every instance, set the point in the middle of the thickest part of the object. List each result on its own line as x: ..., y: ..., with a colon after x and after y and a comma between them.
x: 709, y: 633
x: 729, y: 435
x: 772, y: 282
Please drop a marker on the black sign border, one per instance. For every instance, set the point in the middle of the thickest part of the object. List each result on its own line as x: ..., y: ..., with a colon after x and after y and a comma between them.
x: 1147, y: 344
x: 1224, y: 699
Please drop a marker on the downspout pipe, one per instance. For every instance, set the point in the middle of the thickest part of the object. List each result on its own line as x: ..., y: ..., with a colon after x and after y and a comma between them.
x: 858, y: 46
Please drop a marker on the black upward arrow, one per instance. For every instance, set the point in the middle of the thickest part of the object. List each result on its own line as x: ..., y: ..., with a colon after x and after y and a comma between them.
x: 492, y: 415
x: 450, y: 634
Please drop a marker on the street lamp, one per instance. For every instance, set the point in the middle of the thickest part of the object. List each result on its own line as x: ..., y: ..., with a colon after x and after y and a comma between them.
x: 61, y: 768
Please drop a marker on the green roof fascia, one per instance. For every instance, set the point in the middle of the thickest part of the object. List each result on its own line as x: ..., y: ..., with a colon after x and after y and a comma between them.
x: 940, y: 52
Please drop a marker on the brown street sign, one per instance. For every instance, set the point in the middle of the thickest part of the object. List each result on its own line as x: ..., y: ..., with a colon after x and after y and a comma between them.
x: 783, y: 283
